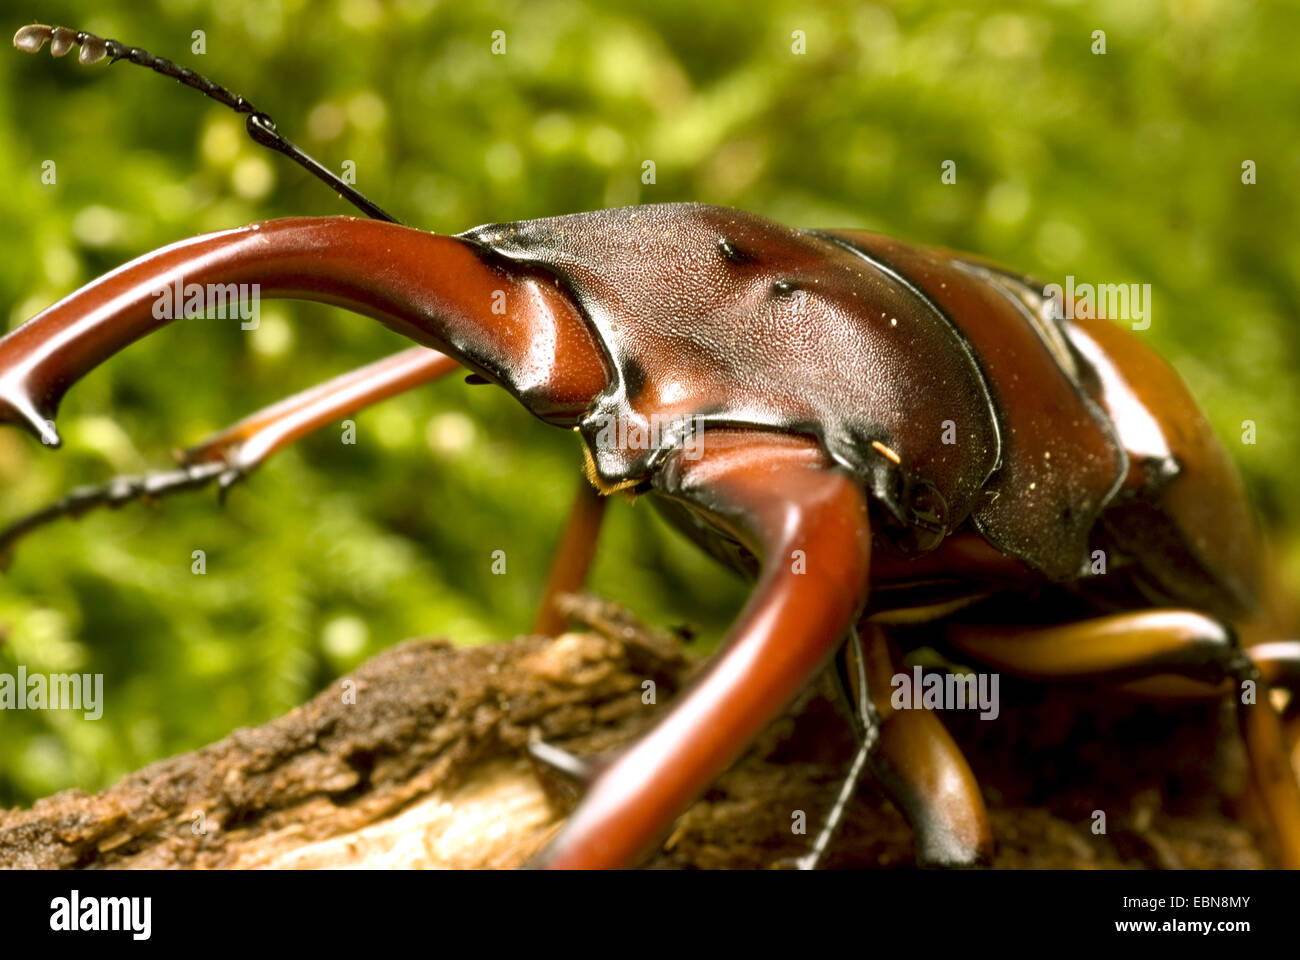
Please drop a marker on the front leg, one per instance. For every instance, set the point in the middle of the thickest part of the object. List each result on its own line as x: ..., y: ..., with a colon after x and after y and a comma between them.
x: 775, y: 494
x: 244, y: 446
x: 233, y: 453
x: 573, y: 556
x: 922, y: 769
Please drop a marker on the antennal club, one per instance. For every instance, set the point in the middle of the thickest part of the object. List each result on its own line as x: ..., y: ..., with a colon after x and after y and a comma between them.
x: 260, y: 126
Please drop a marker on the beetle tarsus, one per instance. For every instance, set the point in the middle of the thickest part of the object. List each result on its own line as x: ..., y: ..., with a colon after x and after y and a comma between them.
x: 866, y: 728
x: 812, y: 860
x: 559, y: 760
x: 113, y: 494
x: 226, y: 480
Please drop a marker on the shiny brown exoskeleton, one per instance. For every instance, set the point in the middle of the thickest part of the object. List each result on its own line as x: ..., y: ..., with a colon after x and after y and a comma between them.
x: 897, y: 441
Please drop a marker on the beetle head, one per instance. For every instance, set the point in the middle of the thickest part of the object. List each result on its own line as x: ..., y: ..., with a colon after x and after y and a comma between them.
x: 711, y: 316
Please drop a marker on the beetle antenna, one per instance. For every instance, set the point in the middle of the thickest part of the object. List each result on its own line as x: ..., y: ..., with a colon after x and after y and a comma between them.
x: 260, y: 126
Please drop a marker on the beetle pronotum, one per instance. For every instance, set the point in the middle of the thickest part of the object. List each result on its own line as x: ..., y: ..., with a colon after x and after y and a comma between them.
x: 826, y: 370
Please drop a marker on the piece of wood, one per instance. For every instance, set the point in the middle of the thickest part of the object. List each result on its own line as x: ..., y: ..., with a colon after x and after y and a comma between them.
x: 418, y: 759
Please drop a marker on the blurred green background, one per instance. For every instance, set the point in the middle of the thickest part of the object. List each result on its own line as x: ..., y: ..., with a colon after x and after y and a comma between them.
x: 1117, y: 168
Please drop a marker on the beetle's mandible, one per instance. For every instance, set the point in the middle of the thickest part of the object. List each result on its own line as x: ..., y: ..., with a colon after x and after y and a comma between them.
x: 945, y: 452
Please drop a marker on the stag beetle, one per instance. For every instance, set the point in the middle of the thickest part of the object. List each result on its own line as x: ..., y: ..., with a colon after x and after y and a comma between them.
x: 889, y: 438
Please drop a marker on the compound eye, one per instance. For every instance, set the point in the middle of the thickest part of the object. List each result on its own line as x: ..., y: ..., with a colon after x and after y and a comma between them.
x: 731, y: 252
x: 783, y: 288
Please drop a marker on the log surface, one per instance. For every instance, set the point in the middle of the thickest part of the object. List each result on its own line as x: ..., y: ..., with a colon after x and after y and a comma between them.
x: 419, y: 759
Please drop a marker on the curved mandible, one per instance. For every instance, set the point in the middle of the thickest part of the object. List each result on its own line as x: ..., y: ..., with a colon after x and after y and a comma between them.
x: 442, y: 292
x: 775, y: 493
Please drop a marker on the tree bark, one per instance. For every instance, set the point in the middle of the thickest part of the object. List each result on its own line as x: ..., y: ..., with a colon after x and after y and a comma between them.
x: 419, y: 759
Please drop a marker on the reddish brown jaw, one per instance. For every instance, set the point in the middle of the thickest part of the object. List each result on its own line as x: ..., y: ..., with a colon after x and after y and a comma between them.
x: 775, y: 493
x: 512, y: 325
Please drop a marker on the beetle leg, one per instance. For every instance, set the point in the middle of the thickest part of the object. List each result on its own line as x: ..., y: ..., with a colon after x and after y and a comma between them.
x: 775, y: 494
x: 866, y: 729
x: 560, y: 760
x: 1149, y: 643
x: 1279, y: 664
x: 1119, y: 647
x: 113, y: 494
x: 244, y: 446
x: 232, y: 454
x: 573, y: 556
x: 247, y: 444
x: 923, y: 770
